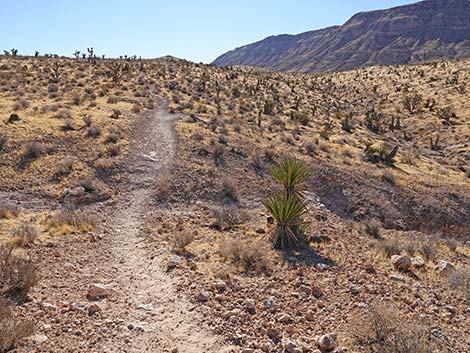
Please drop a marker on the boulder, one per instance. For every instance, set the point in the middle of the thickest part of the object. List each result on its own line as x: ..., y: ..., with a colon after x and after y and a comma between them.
x: 401, y: 262
x: 444, y: 267
x: 327, y: 343
x: 98, y: 291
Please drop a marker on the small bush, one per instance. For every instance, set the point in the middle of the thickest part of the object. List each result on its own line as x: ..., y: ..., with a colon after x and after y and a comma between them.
x: 64, y: 167
x: 379, y: 329
x: 389, y: 177
x: 182, y: 240
x: 8, y: 210
x: 17, y: 274
x: 459, y: 280
x: 25, y: 235
x: 373, y: 228
x: 249, y: 256
x: 163, y: 188
x: 67, y: 221
x: 33, y: 150
x: 389, y: 247
x: 230, y: 190
x: 3, y: 141
x: 228, y: 217
x: 12, y: 330
x: 90, y: 184
x: 93, y: 131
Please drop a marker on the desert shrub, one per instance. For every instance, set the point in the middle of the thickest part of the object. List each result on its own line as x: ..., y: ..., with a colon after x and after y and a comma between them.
x: 3, y: 141
x: 112, y: 137
x: 64, y: 114
x: 93, y: 131
x: 228, y: 217
x: 197, y: 136
x: 389, y: 247
x: 33, y: 150
x: 64, y: 167
x: 17, y: 274
x: 20, y: 105
x: 25, y: 234
x: 68, y: 125
x: 90, y: 184
x: 459, y: 280
x: 373, y: 228
x: 87, y: 120
x: 52, y: 88
x: 389, y: 177
x: 163, y: 188
x: 68, y: 221
x: 12, y: 330
x: 112, y: 100
x: 8, y: 210
x: 427, y: 250
x: 230, y: 189
x: 182, y: 240
x: 379, y: 329
x: 218, y: 154
x: 249, y: 256
x: 136, y: 108
x: 113, y: 150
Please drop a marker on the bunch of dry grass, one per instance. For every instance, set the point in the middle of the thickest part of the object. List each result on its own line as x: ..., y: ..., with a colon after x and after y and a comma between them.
x: 379, y: 329
x: 228, y: 217
x: 8, y: 210
x: 12, y: 330
x: 17, y: 274
x: 249, y: 256
x: 68, y: 221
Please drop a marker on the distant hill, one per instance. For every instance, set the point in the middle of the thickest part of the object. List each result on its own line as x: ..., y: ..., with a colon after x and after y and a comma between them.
x: 424, y: 31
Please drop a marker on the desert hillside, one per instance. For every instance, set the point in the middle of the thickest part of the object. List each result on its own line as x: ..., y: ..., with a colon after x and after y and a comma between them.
x: 424, y: 31
x: 135, y: 207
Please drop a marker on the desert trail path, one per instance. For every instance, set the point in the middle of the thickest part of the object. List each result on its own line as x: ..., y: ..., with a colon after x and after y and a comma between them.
x: 161, y: 318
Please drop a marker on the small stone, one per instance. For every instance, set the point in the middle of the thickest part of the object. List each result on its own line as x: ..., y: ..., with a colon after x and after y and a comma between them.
x: 327, y: 343
x: 39, y: 339
x: 220, y: 285
x: 204, y: 296
x: 418, y: 261
x: 397, y: 278
x: 98, y: 291
x: 401, y: 262
x: 173, y: 262
x: 273, y: 333
x: 305, y: 289
x: 444, y: 267
x: 284, y: 318
x: 260, y: 231
x: 354, y: 289
x: 76, y: 191
x: 310, y: 316
x: 291, y: 347
x: 230, y: 313
x: 94, y: 308
x: 270, y: 303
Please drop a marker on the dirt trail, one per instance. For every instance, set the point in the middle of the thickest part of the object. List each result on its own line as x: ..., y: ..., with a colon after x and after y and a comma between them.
x: 163, y: 320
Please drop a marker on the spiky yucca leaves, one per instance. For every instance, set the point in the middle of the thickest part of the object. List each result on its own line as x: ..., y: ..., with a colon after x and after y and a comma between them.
x: 292, y: 174
x: 287, y: 211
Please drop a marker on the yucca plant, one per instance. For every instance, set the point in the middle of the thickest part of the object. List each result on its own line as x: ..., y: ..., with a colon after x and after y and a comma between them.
x: 287, y: 211
x: 292, y: 174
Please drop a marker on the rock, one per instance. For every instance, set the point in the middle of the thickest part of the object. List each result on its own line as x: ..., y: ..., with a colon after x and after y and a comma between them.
x: 305, y: 289
x: 418, y: 261
x: 310, y: 315
x: 273, y: 333
x: 230, y: 313
x: 76, y: 191
x: 291, y: 347
x: 250, y: 305
x: 327, y: 343
x: 401, y: 262
x: 261, y: 231
x: 13, y: 117
x: 397, y: 278
x: 173, y: 262
x: 220, y: 285
x: 284, y: 318
x: 444, y: 267
x: 354, y: 289
x: 98, y: 291
x: 204, y: 296
x: 270, y: 303
x: 94, y: 308
x: 39, y: 339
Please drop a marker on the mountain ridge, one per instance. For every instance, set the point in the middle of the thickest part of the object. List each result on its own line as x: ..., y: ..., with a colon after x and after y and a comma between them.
x: 419, y: 32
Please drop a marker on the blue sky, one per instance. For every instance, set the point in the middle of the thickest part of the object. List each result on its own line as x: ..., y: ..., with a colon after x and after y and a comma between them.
x: 195, y: 30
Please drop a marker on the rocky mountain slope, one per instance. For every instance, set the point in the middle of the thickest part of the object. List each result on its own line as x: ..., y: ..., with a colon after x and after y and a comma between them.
x: 424, y: 31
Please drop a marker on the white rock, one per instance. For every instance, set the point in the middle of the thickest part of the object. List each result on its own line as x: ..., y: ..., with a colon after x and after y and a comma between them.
x: 444, y: 267
x: 174, y: 261
x: 418, y: 261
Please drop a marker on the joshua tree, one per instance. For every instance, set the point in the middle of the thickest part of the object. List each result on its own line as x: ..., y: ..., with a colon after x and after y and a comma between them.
x: 76, y: 54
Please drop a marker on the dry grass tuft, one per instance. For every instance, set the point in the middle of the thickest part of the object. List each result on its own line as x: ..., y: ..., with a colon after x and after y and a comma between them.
x: 250, y: 256
x: 12, y: 330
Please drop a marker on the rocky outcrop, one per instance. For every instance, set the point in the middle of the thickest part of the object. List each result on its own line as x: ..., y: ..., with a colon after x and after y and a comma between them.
x: 425, y: 31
